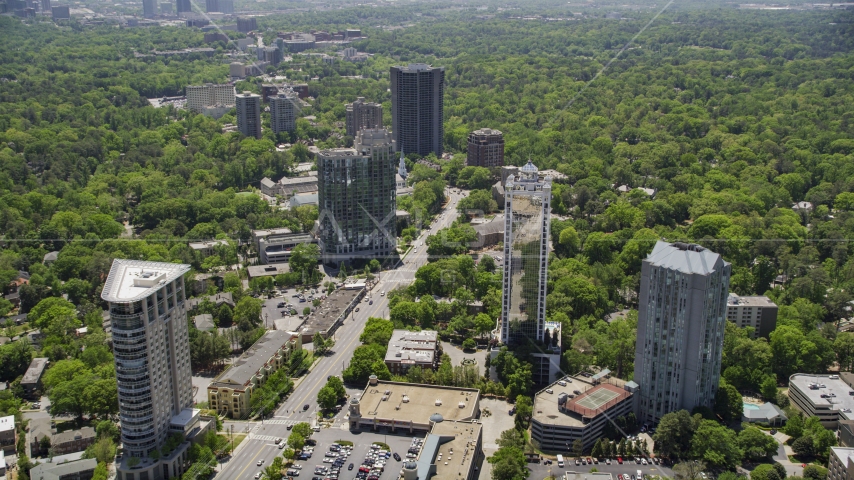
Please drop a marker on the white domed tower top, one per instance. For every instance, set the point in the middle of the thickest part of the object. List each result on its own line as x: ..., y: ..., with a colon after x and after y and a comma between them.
x: 529, y: 172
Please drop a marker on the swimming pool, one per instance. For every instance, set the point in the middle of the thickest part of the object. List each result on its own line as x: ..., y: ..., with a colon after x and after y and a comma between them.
x: 751, y: 406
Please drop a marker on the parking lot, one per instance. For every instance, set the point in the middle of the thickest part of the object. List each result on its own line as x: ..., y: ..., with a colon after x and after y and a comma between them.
x: 361, y: 445
x: 541, y: 470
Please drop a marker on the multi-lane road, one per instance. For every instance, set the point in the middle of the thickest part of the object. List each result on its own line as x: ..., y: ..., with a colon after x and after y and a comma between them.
x: 260, y: 443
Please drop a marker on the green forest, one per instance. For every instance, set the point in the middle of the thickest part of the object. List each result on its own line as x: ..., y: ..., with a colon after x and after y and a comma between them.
x: 740, y: 122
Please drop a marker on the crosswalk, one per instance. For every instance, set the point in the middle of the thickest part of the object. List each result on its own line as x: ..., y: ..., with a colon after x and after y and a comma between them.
x: 281, y: 422
x: 263, y: 438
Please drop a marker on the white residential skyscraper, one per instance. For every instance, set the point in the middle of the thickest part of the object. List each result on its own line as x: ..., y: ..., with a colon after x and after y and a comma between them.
x: 681, y: 320
x: 152, y: 357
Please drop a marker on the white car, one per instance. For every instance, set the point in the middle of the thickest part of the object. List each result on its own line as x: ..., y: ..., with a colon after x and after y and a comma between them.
x: 258, y: 475
x: 297, y: 466
x: 260, y: 462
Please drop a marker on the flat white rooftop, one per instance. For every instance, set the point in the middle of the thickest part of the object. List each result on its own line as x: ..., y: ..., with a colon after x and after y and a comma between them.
x: 132, y: 280
x: 825, y: 393
x: 185, y: 416
x: 7, y: 423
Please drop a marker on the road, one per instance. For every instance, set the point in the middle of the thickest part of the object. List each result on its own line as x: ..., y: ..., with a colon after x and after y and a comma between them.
x: 260, y: 443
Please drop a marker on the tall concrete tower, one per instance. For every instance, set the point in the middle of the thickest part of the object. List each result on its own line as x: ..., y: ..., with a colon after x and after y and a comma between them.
x: 249, y: 114
x: 681, y: 321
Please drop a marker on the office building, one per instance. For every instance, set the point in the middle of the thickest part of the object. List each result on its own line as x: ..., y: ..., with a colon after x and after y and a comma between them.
x: 417, y: 108
x: 485, y: 148
x: 149, y: 8
x: 278, y: 248
x: 60, y: 12
x: 229, y: 393
x: 681, y: 315
x: 226, y: 6
x: 758, y: 312
x: 183, y: 6
x: 246, y: 25
x: 824, y: 396
x: 410, y: 407
x: 361, y: 114
x: 45, y: 7
x: 841, y: 464
x: 249, y: 114
x: 166, y: 8
x: 357, y: 199
x: 283, y: 112
x: 412, y: 349
x: 578, y: 408
x: 211, y: 6
x: 209, y: 99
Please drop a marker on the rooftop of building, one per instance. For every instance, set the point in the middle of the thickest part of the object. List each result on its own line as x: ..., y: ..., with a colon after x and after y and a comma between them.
x: 685, y: 257
x: 271, y: 231
x: 185, y: 416
x: 132, y: 280
x: 304, y: 199
x: 585, y: 398
x: 207, y: 244
x: 71, y: 435
x: 815, y: 386
x: 845, y: 454
x: 766, y: 411
x: 418, y: 67
x: 204, y: 322
x: 7, y: 423
x: 749, y: 301
x: 35, y: 370
x: 322, y: 319
x: 268, y: 270
x: 587, y: 476
x: 412, y: 347
x: 252, y: 360
x: 487, y: 131
x: 217, y: 299
x: 51, y: 471
x: 288, y: 237
x: 452, y: 447
x: 495, y: 225
x: 416, y: 402
x: 297, y: 180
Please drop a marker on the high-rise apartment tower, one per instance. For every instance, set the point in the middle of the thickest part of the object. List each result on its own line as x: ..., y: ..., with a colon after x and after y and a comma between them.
x: 417, y: 108
x: 356, y: 194
x: 485, y: 148
x: 249, y: 114
x: 361, y: 114
x: 151, y: 348
x: 681, y: 321
x: 209, y: 99
x: 149, y: 8
x: 283, y: 112
x: 183, y: 6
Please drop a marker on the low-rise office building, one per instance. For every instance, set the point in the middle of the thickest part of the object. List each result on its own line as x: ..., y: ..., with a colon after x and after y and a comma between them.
x: 229, y: 393
x: 447, y: 440
x: 824, y: 396
x: 278, y: 248
x: 408, y: 407
x: 846, y: 433
x: 841, y: 463
x: 412, y: 349
x: 77, y: 470
x: 758, y: 312
x: 577, y: 408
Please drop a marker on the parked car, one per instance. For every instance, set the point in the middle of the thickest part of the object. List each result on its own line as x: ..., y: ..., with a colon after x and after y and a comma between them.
x: 396, y: 456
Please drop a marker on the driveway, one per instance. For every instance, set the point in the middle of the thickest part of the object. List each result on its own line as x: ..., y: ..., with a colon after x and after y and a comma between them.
x: 497, y: 422
x: 457, y: 355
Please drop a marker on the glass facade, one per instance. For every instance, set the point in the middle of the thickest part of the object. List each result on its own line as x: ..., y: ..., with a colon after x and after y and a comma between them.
x: 526, y: 250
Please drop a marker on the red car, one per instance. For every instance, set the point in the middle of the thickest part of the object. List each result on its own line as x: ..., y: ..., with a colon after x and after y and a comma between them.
x: 620, y: 460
